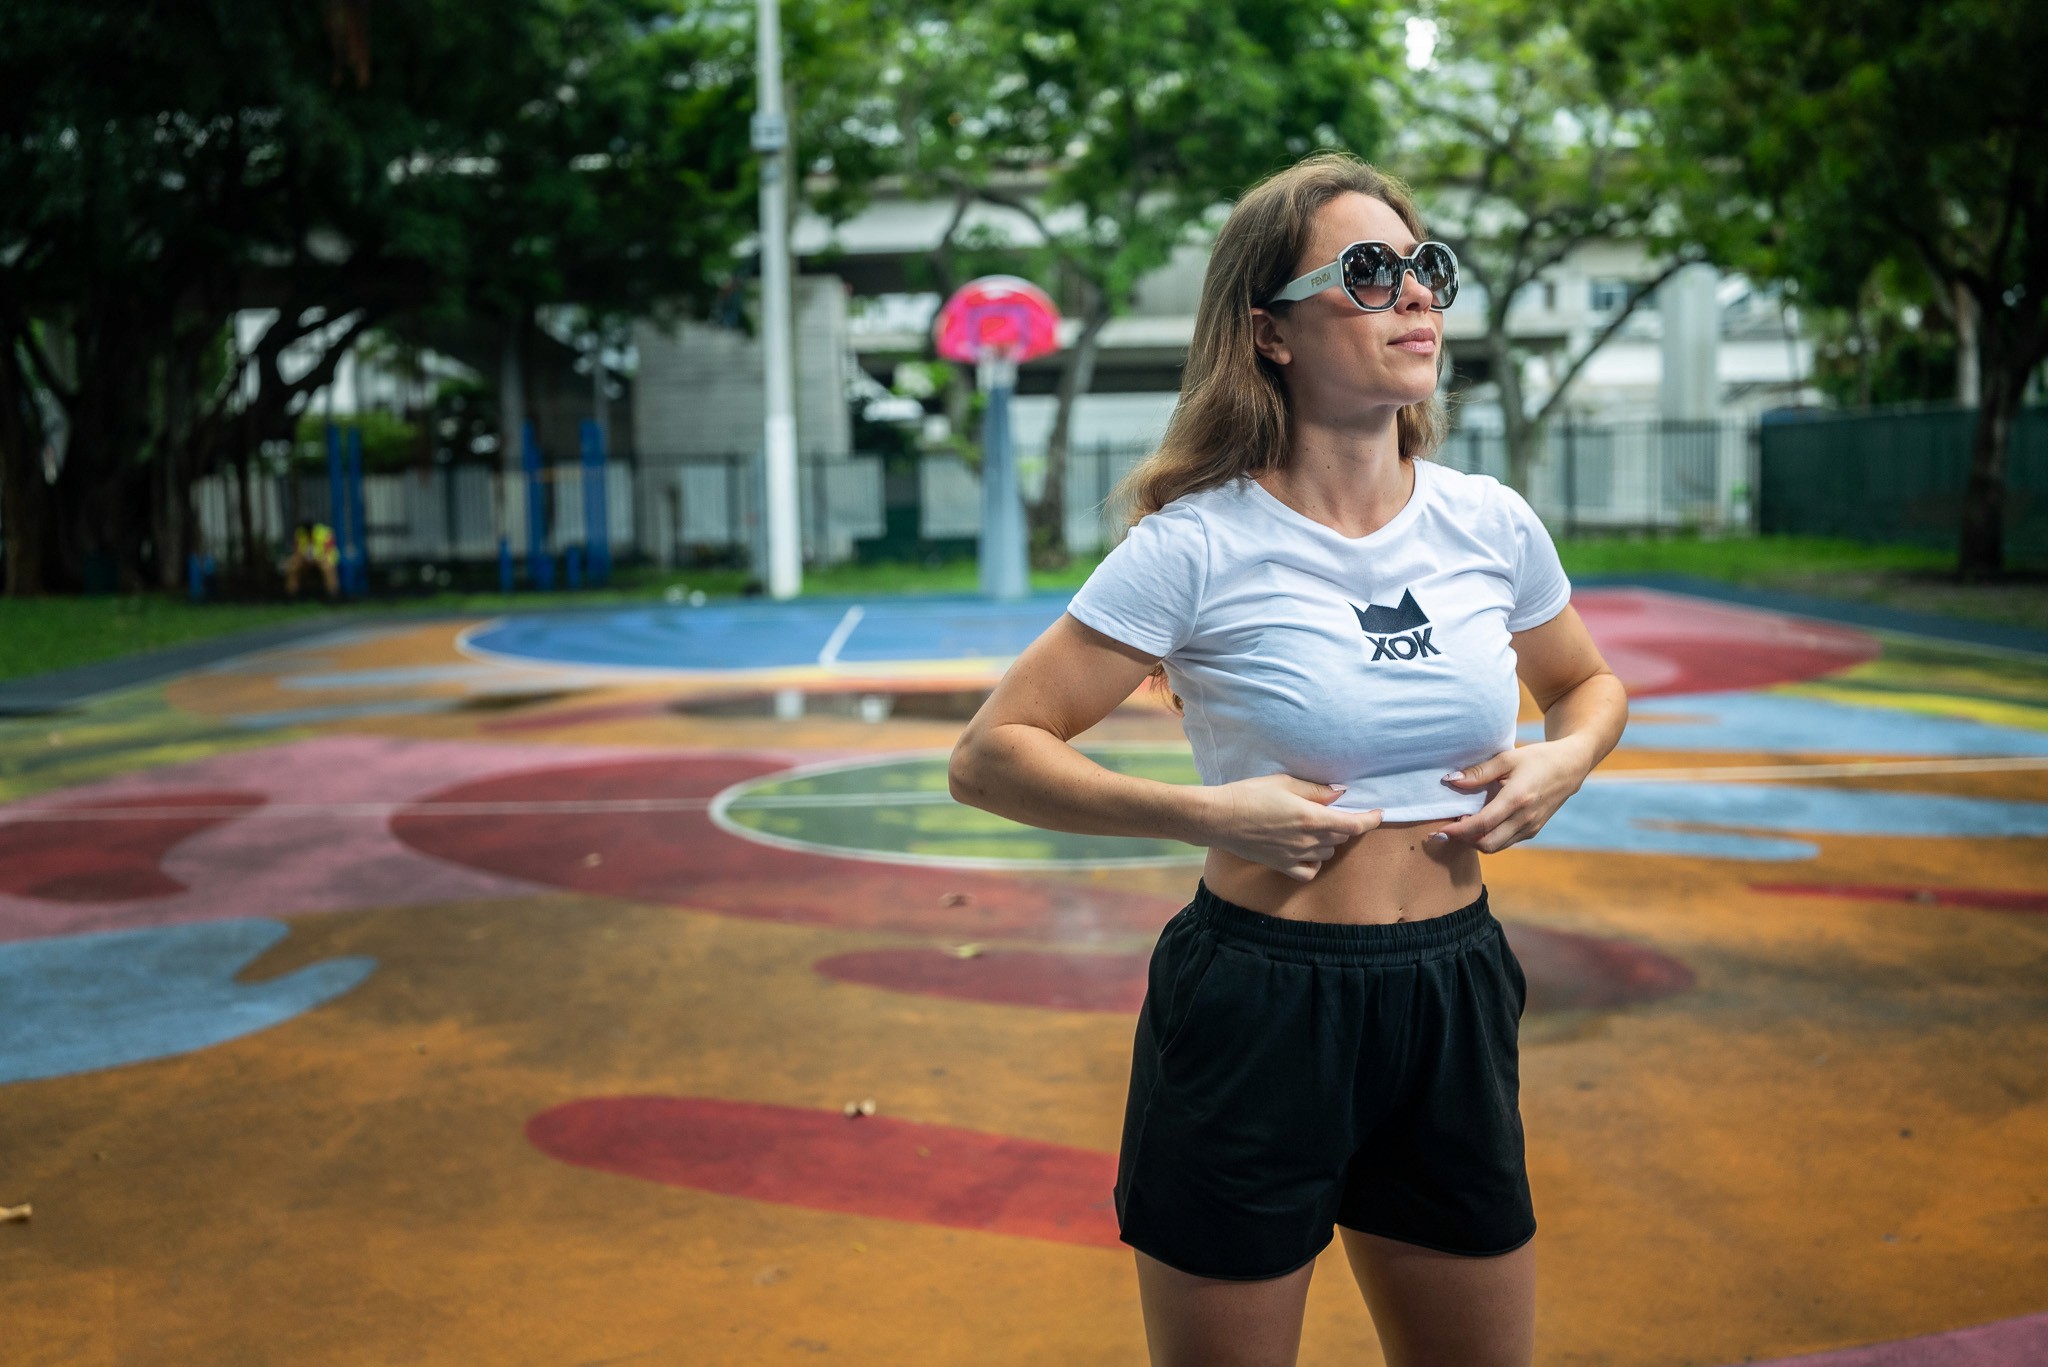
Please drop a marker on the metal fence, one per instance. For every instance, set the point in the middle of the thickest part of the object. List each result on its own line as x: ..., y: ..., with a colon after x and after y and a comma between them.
x: 1657, y: 474
x: 1897, y: 475
x: 700, y: 510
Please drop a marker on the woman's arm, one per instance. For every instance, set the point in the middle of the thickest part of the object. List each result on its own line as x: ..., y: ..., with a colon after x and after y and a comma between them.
x: 1014, y: 759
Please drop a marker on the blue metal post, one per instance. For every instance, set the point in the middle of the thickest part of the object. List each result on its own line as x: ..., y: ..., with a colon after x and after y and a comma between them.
x: 540, y: 566
x: 337, y: 505
x: 358, y: 524
x: 1004, y: 564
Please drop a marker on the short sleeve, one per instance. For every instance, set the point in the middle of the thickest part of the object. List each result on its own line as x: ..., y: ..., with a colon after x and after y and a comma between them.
x: 1541, y: 588
x: 1148, y: 590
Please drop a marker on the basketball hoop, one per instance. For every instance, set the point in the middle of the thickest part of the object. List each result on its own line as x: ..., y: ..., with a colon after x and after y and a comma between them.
x: 996, y: 323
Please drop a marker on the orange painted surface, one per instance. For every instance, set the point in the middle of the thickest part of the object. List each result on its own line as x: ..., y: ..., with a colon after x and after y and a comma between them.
x: 1801, y: 1123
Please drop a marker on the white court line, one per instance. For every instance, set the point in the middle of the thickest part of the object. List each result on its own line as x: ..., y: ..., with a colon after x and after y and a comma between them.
x: 830, y: 654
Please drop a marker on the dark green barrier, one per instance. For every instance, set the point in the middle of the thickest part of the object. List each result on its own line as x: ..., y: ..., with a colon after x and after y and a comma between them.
x: 1896, y: 476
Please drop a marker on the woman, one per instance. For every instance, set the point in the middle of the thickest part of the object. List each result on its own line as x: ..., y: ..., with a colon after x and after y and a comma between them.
x: 1329, y: 1033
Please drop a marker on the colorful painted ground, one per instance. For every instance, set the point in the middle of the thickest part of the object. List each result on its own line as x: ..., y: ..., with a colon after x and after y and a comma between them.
x: 495, y: 992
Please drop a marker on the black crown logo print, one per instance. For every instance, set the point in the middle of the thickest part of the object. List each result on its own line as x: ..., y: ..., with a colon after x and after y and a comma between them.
x: 1400, y: 632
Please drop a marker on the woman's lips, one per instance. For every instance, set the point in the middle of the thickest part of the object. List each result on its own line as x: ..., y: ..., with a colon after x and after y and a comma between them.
x: 1421, y: 346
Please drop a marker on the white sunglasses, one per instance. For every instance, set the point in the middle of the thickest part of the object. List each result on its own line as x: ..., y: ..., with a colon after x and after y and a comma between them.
x: 1371, y: 274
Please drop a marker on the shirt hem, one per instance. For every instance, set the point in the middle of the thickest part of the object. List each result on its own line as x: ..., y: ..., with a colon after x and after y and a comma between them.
x: 1090, y: 618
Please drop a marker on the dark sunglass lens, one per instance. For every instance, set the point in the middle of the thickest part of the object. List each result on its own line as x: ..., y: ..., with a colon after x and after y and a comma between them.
x: 1437, y: 269
x: 1371, y: 270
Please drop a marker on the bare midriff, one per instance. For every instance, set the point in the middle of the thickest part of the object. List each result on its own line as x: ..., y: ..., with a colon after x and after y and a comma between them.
x: 1388, y: 874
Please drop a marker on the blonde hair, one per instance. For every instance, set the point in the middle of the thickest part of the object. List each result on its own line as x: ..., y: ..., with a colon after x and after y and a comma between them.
x: 1231, y: 419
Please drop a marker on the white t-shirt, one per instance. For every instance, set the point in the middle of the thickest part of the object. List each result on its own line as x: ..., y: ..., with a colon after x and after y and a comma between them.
x: 1381, y: 662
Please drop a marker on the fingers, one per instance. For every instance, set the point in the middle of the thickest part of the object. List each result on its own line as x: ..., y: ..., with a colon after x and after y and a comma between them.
x: 1333, y: 824
x: 1309, y: 862
x: 1312, y: 791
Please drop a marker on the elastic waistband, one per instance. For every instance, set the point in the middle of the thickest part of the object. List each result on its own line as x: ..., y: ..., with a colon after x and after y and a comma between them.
x: 1342, y: 942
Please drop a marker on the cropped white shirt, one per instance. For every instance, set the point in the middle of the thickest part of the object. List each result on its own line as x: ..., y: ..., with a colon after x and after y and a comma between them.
x: 1381, y: 662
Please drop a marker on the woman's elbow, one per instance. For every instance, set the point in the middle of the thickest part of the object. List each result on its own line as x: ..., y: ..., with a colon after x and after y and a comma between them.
x: 961, y: 781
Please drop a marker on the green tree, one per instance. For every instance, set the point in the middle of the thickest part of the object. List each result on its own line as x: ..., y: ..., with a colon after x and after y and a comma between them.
x: 429, y: 165
x: 1521, y: 159
x: 1830, y: 139
x: 1114, y: 131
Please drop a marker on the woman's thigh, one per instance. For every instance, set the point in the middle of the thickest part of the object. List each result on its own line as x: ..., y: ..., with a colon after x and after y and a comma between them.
x: 1436, y: 1309
x: 1195, y: 1321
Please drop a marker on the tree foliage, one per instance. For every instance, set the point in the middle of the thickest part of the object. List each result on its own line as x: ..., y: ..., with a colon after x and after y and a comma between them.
x: 1115, y: 129
x: 343, y: 165
x: 1830, y: 139
x: 1521, y: 158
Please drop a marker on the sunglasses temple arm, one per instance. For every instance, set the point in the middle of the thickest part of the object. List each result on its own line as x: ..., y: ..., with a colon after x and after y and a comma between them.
x: 1296, y: 290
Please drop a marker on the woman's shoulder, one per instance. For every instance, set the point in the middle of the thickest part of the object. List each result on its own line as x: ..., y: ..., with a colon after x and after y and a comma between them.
x: 1464, y: 493
x: 1451, y: 482
x: 1195, y: 512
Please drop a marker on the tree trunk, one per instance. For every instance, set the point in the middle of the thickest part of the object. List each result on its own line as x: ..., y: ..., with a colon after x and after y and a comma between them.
x: 1516, y: 429
x: 245, y: 514
x: 512, y: 406
x: 94, y: 515
x: 1048, y: 516
x: 169, y: 477
x: 24, y: 497
x: 1981, y: 552
x: 1969, y: 389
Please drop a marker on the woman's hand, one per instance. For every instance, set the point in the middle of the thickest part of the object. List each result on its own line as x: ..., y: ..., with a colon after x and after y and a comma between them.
x: 1284, y: 823
x: 1533, y: 782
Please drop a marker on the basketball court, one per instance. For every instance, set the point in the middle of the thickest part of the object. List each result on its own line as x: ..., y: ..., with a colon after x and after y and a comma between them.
x: 624, y: 986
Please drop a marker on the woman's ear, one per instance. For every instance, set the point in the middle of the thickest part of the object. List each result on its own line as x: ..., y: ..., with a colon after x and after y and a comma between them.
x: 1268, y: 339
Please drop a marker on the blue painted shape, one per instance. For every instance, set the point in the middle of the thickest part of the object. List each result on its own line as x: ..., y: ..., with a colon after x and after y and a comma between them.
x: 80, y: 1002
x: 742, y: 636
x: 1786, y: 721
x: 313, y: 716
x: 1761, y: 820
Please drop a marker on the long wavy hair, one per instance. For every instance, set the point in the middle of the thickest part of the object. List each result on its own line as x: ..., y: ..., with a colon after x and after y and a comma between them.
x: 1232, y: 416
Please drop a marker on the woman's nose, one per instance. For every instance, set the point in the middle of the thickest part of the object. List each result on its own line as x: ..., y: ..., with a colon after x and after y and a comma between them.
x: 1414, y: 294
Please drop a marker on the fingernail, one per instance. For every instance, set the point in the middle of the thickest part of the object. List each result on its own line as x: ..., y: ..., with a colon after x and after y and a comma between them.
x: 1340, y: 787
x: 1454, y: 774
x: 1436, y: 835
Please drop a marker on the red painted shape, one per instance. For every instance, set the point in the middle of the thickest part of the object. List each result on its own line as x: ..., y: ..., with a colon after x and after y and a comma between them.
x: 681, y: 858
x: 1664, y: 643
x: 1008, y: 977
x: 826, y: 1160
x: 108, y: 859
x: 1992, y: 899
x: 1566, y: 971
x: 1570, y: 972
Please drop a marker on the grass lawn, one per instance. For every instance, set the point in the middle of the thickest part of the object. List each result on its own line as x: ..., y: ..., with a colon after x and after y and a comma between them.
x: 40, y: 634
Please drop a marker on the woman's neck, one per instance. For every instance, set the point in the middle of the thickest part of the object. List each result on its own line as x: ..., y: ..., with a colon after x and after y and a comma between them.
x: 1348, y: 477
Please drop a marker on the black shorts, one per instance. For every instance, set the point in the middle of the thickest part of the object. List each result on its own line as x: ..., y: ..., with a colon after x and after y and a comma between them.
x: 1292, y: 1075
